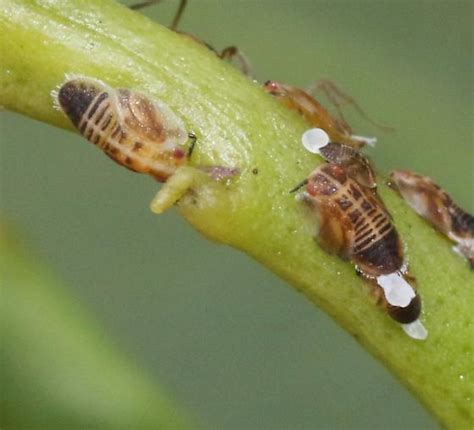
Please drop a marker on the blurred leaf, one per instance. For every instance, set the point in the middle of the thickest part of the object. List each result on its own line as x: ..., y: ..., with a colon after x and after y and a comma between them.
x: 58, y: 369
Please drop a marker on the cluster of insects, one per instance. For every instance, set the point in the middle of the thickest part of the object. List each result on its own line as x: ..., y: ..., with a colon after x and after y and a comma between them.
x: 355, y: 225
x: 145, y: 135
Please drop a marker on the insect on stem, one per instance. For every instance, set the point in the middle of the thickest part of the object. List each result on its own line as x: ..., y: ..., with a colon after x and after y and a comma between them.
x: 142, y: 134
x: 354, y: 224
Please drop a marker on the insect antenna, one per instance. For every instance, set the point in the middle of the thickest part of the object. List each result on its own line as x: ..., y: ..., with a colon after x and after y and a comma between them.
x: 193, y: 139
x: 137, y: 6
x: 301, y: 184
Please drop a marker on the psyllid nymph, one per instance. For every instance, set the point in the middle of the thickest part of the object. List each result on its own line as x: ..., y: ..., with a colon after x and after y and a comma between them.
x: 354, y: 224
x: 435, y: 205
x: 138, y: 132
x: 141, y: 134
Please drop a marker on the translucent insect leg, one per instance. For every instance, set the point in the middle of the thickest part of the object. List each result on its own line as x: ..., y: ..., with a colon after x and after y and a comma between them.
x: 144, y: 4
x: 177, y: 17
x: 339, y: 98
x: 361, y: 171
x: 233, y: 53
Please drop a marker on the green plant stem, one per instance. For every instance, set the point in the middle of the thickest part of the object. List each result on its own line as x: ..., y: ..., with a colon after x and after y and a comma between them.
x: 237, y: 124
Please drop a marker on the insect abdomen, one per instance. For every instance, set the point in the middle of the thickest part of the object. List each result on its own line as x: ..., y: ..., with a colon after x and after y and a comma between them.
x: 381, y: 256
x: 407, y: 314
x: 462, y: 222
x: 89, y: 110
x: 375, y: 246
x: 75, y: 97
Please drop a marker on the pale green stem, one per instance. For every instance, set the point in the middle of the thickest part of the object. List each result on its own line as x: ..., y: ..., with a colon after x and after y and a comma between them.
x: 237, y: 124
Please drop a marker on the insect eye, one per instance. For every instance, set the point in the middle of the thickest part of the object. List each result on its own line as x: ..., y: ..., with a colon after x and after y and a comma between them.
x: 273, y: 88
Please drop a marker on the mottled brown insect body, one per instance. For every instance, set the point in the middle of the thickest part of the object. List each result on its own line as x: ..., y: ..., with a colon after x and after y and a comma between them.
x: 371, y: 240
x: 357, y: 165
x: 313, y: 112
x: 434, y: 204
x: 318, y: 116
x: 355, y: 225
x: 140, y: 134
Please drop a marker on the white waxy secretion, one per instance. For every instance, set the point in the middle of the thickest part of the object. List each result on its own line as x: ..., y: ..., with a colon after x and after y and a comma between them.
x: 314, y: 139
x: 371, y: 141
x: 397, y: 291
x: 416, y: 330
x: 464, y: 246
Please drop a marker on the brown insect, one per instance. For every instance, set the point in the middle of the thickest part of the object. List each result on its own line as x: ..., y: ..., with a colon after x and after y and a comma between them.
x: 358, y: 165
x: 435, y: 205
x: 231, y: 53
x: 317, y: 115
x: 354, y: 224
x: 140, y: 134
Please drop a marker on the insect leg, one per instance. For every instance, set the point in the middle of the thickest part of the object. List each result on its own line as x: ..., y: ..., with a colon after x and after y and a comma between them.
x: 331, y: 235
x: 233, y: 53
x: 179, y: 13
x: 339, y: 98
x: 177, y: 17
x: 333, y: 93
x: 144, y: 4
x: 361, y: 171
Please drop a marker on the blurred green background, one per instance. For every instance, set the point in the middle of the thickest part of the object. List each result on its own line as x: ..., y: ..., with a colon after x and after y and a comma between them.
x: 231, y: 343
